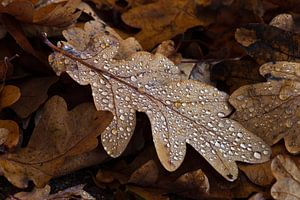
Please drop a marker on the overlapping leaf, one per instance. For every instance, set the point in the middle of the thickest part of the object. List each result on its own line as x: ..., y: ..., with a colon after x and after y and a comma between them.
x: 271, y: 109
x: 180, y: 111
x: 59, y: 135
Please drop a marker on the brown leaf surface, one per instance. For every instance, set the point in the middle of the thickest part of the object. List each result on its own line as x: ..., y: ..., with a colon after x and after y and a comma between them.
x: 286, y: 171
x: 10, y: 131
x: 59, y: 134
x: 61, y: 14
x: 33, y: 95
x: 267, y: 43
x: 271, y: 109
x: 180, y: 111
x: 163, y: 20
x: 9, y: 95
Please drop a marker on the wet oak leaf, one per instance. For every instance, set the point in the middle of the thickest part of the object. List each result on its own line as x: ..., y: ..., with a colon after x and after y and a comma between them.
x: 58, y: 135
x: 287, y: 173
x: 271, y: 109
x: 9, y: 95
x: 180, y: 111
x: 163, y: 20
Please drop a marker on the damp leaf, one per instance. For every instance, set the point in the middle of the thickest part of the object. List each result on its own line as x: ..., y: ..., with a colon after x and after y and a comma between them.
x: 271, y: 109
x: 180, y: 111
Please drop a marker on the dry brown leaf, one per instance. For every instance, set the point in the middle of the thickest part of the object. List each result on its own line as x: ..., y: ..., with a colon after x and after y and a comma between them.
x: 267, y: 43
x: 180, y: 111
x: 163, y: 20
x: 271, y: 109
x: 44, y: 194
x: 147, y: 174
x: 60, y: 15
x: 287, y: 174
x: 58, y: 135
x: 9, y: 135
x: 167, y: 49
x: 9, y: 95
x: 283, y: 21
x: 33, y: 95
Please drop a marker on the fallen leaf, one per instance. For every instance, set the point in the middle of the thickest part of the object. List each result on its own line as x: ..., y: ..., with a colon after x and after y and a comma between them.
x: 147, y: 174
x: 271, y: 109
x: 283, y: 21
x: 33, y: 95
x: 9, y: 95
x: 9, y: 135
x: 267, y: 43
x: 58, y: 135
x: 180, y: 111
x: 287, y: 174
x: 167, y: 49
x: 61, y: 14
x: 163, y: 20
x: 43, y: 193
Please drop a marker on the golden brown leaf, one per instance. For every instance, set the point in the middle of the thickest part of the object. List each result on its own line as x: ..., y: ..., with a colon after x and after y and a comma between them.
x: 9, y: 95
x: 59, y: 134
x: 148, y: 194
x: 147, y: 174
x: 271, y: 109
x: 163, y: 20
x: 287, y: 174
x: 180, y: 111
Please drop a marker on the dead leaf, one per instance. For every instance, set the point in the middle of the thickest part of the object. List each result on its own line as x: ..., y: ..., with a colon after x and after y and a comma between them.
x: 163, y: 20
x: 61, y: 14
x: 267, y: 43
x: 9, y: 135
x: 59, y: 134
x: 9, y: 95
x: 271, y: 109
x: 33, y: 95
x: 284, y: 22
x: 43, y: 193
x: 287, y: 174
x: 181, y: 111
x: 167, y: 49
x: 147, y: 174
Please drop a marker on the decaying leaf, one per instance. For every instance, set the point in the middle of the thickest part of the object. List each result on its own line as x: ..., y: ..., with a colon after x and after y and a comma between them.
x: 163, y: 20
x: 44, y: 194
x: 271, y: 109
x: 268, y: 43
x: 287, y: 173
x: 180, y: 111
x: 58, y: 135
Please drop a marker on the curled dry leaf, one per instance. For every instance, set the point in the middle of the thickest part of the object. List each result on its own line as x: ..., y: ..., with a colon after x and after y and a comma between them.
x: 59, y: 134
x: 61, y: 14
x: 271, y: 109
x: 180, y: 111
x: 267, y: 43
x: 163, y: 20
x: 287, y: 174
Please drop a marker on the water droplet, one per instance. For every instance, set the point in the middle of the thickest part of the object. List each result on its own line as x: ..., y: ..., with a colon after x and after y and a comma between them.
x: 133, y: 78
x: 257, y: 155
x: 288, y: 123
x: 122, y: 117
x: 114, y: 131
x: 220, y: 114
x: 285, y: 92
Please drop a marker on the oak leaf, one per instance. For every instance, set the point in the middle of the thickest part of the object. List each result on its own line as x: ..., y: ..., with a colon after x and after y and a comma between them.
x: 287, y: 173
x: 271, y: 109
x: 59, y: 134
x: 180, y: 111
x: 163, y: 20
x: 9, y: 94
x: 9, y: 133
